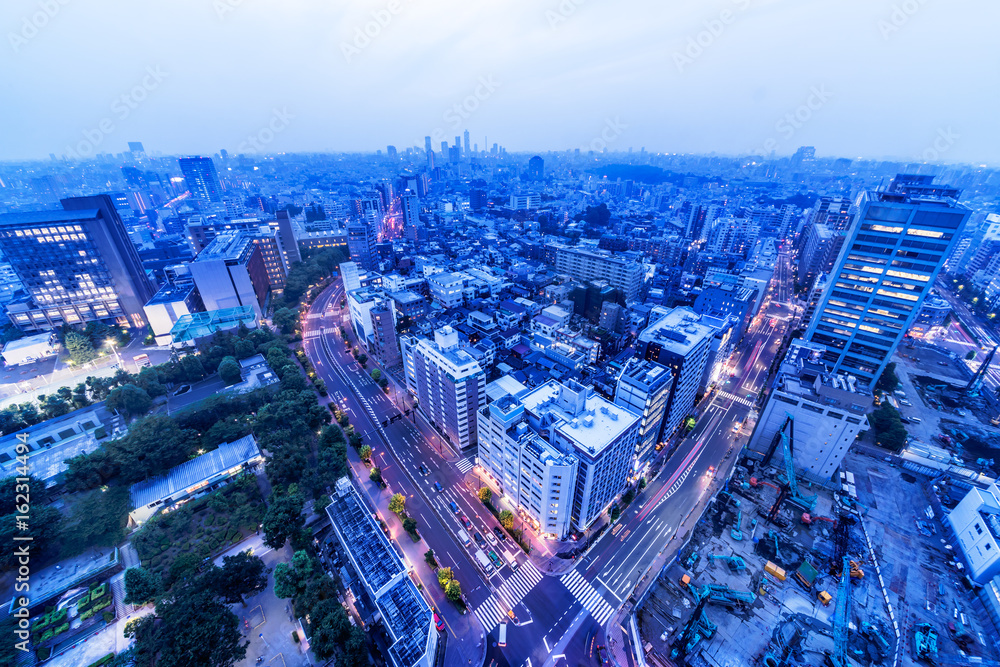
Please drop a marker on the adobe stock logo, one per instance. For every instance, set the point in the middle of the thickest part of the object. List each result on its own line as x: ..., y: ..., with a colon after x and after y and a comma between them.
x: 255, y: 143
x: 363, y: 36
x: 122, y: 107
x: 32, y: 25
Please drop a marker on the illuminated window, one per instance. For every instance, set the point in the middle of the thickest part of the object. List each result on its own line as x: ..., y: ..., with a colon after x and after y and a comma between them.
x: 899, y: 295
x: 924, y: 232
x: 908, y: 276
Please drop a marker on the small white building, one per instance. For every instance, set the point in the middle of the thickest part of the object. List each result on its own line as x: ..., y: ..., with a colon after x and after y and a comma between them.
x: 29, y: 349
x: 976, y: 521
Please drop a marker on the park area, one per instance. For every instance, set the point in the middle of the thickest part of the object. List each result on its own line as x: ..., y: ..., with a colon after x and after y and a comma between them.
x: 175, y: 543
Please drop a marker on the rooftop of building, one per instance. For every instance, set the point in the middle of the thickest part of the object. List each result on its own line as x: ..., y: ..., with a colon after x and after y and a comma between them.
x: 228, y: 455
x: 647, y: 373
x: 53, y: 441
x: 54, y: 216
x: 197, y: 325
x: 406, y: 614
x: 588, y: 420
x: 406, y: 297
x: 679, y: 330
x: 227, y: 245
x: 805, y: 374
x: 47, y: 338
x: 171, y: 293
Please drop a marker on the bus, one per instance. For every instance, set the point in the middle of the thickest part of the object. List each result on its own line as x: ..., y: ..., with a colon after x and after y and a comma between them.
x: 502, y: 640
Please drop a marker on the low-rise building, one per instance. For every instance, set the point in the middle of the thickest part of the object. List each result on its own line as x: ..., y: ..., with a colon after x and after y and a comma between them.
x: 29, y: 349
x: 828, y: 410
x: 385, y: 579
x: 193, y: 478
x: 976, y: 522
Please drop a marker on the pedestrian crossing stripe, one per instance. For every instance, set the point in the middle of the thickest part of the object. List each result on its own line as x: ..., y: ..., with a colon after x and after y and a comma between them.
x: 742, y: 400
x: 516, y: 587
x: 490, y: 614
x: 587, y: 596
x: 464, y: 465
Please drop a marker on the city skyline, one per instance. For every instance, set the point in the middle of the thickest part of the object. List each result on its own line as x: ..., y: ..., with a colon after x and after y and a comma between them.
x: 732, y: 78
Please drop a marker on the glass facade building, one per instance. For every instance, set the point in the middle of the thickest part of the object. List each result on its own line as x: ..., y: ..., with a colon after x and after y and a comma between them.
x: 884, y: 272
x: 77, y: 265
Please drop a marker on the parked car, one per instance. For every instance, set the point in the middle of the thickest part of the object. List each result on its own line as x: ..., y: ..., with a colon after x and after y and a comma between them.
x: 466, y: 522
x: 499, y: 533
x: 438, y: 622
x: 479, y: 539
x: 497, y: 563
x: 492, y: 538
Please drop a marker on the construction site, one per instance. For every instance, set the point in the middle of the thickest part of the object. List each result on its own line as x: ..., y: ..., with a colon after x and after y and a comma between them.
x: 778, y: 574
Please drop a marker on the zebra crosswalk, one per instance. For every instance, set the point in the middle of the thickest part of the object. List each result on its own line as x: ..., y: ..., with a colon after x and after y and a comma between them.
x: 742, y: 400
x: 510, y: 592
x: 514, y: 589
x: 588, y: 597
x: 490, y: 613
x: 464, y: 465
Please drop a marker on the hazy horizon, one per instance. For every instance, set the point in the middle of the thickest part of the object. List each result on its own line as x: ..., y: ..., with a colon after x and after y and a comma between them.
x: 879, y: 81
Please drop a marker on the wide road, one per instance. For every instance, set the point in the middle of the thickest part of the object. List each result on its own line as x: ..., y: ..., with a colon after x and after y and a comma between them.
x: 551, y: 620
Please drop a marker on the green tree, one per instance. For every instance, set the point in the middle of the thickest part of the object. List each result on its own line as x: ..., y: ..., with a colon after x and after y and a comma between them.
x: 97, y: 520
x: 192, y: 628
x: 444, y: 575
x: 376, y: 475
x: 485, y: 495
x: 330, y: 628
x: 376, y: 374
x: 129, y: 400
x: 365, y: 453
x: 453, y: 590
x: 240, y: 575
x: 149, y: 382
x: 397, y: 504
x: 888, y: 382
x: 291, y: 578
x: 507, y: 519
x: 244, y: 349
x: 79, y: 348
x: 616, y: 512
x: 191, y: 368
x: 285, y: 319
x: 141, y: 586
x: 283, y: 518
x: 410, y: 525
x: 229, y: 371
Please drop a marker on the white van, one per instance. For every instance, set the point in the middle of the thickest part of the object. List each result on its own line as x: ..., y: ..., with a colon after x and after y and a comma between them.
x: 464, y: 536
x: 511, y: 559
x: 502, y: 641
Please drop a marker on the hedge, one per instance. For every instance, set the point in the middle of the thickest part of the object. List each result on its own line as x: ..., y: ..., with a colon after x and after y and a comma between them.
x: 102, y: 661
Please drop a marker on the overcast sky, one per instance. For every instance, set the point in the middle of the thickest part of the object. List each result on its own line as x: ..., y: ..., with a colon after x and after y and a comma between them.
x: 908, y: 79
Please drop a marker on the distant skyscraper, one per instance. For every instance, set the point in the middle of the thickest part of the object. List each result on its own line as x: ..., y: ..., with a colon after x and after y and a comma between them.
x: 444, y: 148
x: 136, y: 147
x: 390, y: 151
x: 77, y: 265
x: 411, y: 206
x: 885, y: 270
x: 466, y: 137
x: 202, y: 178
x: 536, y: 168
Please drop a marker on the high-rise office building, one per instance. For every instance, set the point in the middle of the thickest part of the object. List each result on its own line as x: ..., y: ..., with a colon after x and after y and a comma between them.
x: 384, y: 346
x: 362, y: 237
x: 644, y: 388
x: 411, y: 208
x: 450, y: 386
x: 201, y: 177
x: 678, y: 339
x: 231, y: 272
x: 466, y: 143
x: 886, y: 268
x: 77, y: 265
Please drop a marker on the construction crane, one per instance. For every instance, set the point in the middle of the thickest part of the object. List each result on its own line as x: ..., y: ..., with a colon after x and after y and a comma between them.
x: 805, y: 502
x: 838, y: 656
x: 976, y: 383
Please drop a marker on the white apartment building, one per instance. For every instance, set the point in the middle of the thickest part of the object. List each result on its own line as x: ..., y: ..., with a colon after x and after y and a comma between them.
x: 828, y: 411
x: 449, y: 384
x: 976, y: 521
x: 561, y: 453
x: 447, y: 289
x: 621, y: 272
